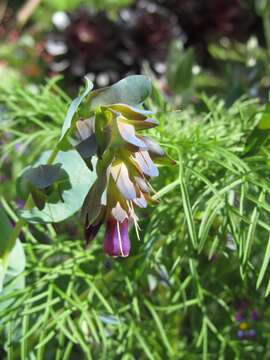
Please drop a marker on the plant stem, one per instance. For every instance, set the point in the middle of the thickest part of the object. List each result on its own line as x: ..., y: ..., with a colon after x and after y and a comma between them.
x: 28, y: 205
x: 53, y: 155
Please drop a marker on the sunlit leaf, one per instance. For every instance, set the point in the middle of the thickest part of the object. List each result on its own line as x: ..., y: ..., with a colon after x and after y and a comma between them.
x: 132, y: 90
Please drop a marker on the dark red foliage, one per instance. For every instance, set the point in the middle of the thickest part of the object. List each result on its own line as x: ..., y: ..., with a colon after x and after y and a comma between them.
x: 111, y: 49
x: 208, y: 20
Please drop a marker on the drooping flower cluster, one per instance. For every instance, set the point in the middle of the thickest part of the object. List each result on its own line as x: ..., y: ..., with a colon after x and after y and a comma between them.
x: 123, y: 166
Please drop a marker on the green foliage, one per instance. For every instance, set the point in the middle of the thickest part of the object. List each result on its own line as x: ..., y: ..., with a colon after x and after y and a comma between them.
x: 70, y: 192
x: 132, y: 90
x: 203, y: 247
x: 262, y: 7
x: 68, y: 5
x: 34, y: 116
x: 242, y: 68
x: 6, y: 229
x: 179, y: 67
x: 12, y: 260
x: 12, y: 266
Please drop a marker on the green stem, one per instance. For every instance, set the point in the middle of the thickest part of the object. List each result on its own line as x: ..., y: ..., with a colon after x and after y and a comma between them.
x: 53, y: 155
x: 28, y: 205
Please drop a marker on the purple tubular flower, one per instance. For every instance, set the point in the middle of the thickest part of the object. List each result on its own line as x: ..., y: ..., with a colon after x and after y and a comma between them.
x: 116, y: 242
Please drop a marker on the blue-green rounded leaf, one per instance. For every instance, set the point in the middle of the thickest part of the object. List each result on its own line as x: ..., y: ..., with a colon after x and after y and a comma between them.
x: 132, y: 90
x: 42, y: 176
x: 69, y: 195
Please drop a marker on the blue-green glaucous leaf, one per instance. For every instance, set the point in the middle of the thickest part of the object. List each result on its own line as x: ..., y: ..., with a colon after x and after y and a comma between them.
x: 75, y: 184
x: 42, y: 176
x: 38, y: 181
x: 132, y: 90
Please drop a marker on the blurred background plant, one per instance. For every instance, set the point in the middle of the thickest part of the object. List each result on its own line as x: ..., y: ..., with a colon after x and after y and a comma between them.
x: 108, y: 40
x: 195, y: 285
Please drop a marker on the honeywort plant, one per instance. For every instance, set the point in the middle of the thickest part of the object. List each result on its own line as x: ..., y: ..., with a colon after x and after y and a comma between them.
x: 193, y: 287
x: 99, y: 160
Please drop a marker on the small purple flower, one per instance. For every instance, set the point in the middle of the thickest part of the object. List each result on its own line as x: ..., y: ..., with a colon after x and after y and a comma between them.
x: 254, y: 315
x: 238, y: 316
x: 116, y: 241
x: 18, y: 147
x: 20, y: 203
x: 240, y: 334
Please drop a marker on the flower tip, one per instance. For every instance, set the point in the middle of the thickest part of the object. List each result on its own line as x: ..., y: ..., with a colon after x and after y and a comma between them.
x: 116, y: 241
